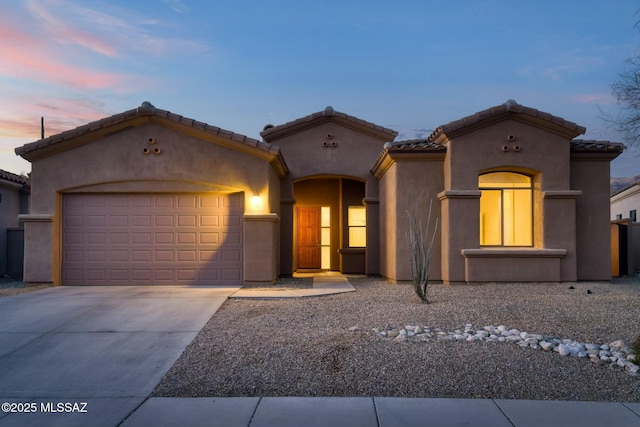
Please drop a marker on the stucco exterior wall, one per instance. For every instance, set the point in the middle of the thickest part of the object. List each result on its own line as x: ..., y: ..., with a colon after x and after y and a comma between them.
x: 591, y: 176
x: 12, y: 201
x: 409, y: 185
x: 388, y: 218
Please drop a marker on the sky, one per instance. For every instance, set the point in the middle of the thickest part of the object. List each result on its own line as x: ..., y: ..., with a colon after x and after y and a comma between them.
x: 409, y: 65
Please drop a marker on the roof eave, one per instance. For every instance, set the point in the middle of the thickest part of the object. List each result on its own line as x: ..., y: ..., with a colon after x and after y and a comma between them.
x: 389, y: 157
x: 144, y: 115
x: 326, y: 116
x: 565, y: 129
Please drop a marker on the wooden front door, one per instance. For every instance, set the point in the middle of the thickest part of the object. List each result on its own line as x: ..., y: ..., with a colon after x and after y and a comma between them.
x: 309, y: 237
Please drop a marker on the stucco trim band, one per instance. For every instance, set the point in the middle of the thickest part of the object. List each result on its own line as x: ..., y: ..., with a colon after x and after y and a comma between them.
x: 36, y: 217
x: 513, y: 253
x: 563, y: 194
x: 262, y: 217
x: 459, y: 194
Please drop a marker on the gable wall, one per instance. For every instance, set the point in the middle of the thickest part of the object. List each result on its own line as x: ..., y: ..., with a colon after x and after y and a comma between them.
x: 195, y: 164
x: 307, y: 156
x: 545, y: 157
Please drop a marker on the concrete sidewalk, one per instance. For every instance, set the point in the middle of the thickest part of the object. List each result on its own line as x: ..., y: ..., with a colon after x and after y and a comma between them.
x: 379, y: 411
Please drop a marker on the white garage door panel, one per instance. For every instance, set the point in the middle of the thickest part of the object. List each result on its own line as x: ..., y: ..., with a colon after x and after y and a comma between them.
x: 119, y: 239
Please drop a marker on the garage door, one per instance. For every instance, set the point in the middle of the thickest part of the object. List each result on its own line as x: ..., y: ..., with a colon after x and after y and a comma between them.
x: 152, y: 239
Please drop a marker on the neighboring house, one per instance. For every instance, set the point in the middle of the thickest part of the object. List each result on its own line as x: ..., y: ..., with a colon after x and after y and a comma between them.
x: 625, y: 231
x: 14, y: 200
x: 151, y: 197
x: 625, y: 204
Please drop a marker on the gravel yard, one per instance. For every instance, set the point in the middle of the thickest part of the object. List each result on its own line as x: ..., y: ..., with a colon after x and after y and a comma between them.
x: 303, y: 347
x: 10, y: 286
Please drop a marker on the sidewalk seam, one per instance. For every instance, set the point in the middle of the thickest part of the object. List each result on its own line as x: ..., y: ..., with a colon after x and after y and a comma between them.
x: 254, y: 412
x: 628, y: 408
x: 134, y: 410
x: 502, y: 412
x: 375, y: 410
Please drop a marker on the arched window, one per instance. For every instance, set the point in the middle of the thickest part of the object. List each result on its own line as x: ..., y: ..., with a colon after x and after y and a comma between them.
x: 506, y: 209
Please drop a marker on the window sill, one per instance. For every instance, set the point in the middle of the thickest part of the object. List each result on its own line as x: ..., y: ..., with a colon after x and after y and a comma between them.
x: 347, y: 251
x: 513, y: 253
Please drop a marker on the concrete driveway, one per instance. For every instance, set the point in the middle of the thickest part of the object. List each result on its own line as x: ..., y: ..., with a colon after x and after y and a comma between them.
x: 99, y: 351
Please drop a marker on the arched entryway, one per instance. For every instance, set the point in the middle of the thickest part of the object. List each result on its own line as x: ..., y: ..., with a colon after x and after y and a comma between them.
x: 329, y: 224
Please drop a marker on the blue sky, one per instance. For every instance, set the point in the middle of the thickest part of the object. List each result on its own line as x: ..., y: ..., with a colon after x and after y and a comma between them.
x: 409, y: 65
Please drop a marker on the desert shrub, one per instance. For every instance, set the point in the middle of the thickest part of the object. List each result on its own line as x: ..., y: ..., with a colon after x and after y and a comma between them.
x: 420, y: 247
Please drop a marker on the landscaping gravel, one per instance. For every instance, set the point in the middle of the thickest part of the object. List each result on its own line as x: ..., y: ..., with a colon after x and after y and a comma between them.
x: 326, y: 346
x: 10, y: 286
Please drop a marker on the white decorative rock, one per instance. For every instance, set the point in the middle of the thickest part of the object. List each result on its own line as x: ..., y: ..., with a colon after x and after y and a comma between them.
x: 563, y: 350
x: 546, y: 346
x: 400, y: 338
x: 615, y: 354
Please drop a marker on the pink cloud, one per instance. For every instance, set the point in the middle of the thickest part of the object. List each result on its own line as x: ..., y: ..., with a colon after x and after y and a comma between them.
x: 25, y: 56
x: 66, y: 34
x: 594, y: 98
x: 22, y: 119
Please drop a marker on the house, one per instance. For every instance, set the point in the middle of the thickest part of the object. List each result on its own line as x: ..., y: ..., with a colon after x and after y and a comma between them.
x: 625, y: 230
x: 151, y: 197
x: 625, y: 204
x: 14, y: 200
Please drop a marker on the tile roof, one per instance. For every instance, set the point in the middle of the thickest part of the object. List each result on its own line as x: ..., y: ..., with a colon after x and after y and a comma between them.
x: 328, y: 113
x: 415, y: 145
x: 148, y: 110
x: 509, y: 109
x: 19, y: 179
x: 625, y: 188
x: 589, y: 146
